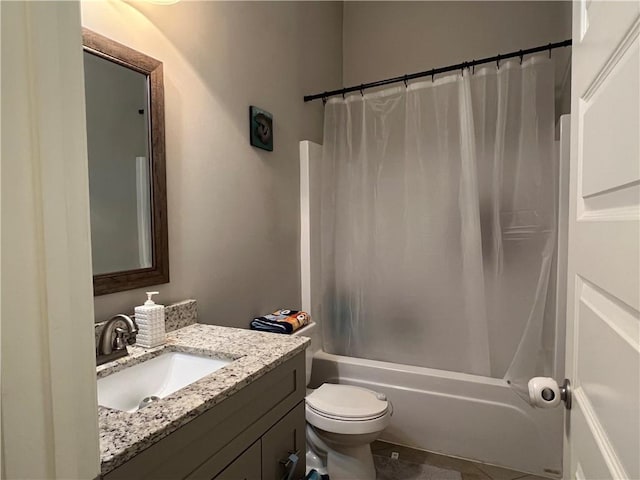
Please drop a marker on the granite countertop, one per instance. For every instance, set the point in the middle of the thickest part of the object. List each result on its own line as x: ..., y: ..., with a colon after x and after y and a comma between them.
x: 123, y: 434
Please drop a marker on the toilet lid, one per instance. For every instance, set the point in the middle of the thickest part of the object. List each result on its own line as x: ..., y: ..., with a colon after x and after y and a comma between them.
x: 347, y: 401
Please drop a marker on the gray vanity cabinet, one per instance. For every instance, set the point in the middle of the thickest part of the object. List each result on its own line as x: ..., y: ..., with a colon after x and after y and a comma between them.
x: 285, y: 437
x: 243, y: 437
x: 246, y: 467
x: 268, y: 458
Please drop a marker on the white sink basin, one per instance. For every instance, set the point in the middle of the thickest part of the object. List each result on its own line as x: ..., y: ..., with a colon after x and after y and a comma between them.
x: 158, y: 377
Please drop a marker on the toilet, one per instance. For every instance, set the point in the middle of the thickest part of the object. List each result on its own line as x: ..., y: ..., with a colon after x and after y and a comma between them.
x: 342, y: 422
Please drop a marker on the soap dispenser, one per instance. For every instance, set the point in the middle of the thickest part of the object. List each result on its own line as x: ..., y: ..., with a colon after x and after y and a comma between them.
x: 150, y: 321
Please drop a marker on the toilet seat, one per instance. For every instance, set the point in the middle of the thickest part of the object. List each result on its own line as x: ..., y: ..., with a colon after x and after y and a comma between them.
x: 347, y: 409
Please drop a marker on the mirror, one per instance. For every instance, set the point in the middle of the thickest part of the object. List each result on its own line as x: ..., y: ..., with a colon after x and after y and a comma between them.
x: 127, y: 180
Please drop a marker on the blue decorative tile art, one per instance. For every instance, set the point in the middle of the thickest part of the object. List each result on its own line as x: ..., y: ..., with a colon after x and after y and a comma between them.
x: 261, y: 128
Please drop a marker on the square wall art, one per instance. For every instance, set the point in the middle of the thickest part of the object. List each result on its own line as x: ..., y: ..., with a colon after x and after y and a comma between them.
x: 261, y: 128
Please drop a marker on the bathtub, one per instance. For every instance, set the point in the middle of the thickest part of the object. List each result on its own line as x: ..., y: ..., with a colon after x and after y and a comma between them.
x: 456, y: 414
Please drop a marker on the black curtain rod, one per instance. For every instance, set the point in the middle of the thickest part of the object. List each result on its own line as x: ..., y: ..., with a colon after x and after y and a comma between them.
x: 437, y: 71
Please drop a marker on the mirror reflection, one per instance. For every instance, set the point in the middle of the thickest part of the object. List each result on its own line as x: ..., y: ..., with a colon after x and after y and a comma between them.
x: 117, y: 106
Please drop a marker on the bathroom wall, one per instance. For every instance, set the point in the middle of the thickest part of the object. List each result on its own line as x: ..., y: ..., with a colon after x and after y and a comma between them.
x: 386, y: 39
x: 233, y: 210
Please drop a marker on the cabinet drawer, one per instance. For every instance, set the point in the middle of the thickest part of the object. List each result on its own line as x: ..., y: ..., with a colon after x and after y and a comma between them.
x: 245, y: 467
x: 286, y: 436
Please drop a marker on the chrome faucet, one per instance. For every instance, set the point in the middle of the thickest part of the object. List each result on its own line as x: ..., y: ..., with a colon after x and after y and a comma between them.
x: 114, y: 338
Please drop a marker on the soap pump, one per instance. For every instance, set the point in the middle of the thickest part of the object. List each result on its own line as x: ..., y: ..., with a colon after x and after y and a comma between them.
x: 150, y: 321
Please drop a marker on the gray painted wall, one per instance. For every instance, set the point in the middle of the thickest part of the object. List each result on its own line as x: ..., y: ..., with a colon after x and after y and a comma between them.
x: 387, y: 39
x: 233, y: 210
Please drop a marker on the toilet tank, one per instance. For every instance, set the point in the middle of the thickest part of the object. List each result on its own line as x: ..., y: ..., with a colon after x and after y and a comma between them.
x: 313, y: 332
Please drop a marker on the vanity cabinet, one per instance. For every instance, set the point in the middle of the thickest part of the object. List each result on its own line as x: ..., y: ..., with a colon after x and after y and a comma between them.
x: 285, y: 437
x: 249, y: 435
x: 268, y: 458
x: 247, y: 466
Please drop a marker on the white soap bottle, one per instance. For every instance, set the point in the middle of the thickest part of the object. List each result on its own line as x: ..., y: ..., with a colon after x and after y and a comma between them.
x: 150, y: 321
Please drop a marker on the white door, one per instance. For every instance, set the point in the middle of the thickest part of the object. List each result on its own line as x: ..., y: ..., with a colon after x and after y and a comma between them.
x: 603, y: 326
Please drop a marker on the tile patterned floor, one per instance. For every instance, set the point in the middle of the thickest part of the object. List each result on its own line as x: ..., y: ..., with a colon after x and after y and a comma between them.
x: 411, y: 460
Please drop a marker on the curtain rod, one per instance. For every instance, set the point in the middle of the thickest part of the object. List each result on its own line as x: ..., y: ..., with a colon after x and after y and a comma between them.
x: 436, y: 71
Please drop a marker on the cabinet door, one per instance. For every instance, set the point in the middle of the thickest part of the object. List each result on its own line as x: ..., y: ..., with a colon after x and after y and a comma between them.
x: 285, y: 437
x: 245, y: 467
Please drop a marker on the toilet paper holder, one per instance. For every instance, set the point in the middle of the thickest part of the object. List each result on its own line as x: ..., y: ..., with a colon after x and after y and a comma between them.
x: 565, y: 393
x: 544, y: 392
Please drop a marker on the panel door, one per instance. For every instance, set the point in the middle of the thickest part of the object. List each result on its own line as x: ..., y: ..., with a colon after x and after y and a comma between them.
x: 603, y: 329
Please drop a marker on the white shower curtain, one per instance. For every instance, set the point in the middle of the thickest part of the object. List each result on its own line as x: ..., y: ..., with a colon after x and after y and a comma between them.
x: 438, y: 221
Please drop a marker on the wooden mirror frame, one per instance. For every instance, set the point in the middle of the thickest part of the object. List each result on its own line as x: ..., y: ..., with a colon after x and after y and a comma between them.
x: 159, y: 271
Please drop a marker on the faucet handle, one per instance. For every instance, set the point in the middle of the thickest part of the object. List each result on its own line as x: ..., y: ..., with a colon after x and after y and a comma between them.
x: 130, y: 337
x: 121, y: 340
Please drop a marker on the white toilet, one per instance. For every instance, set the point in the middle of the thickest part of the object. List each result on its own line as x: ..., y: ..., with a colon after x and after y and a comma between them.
x: 342, y: 421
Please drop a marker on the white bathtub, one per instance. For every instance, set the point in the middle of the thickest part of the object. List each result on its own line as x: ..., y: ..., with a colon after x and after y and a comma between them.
x: 456, y: 414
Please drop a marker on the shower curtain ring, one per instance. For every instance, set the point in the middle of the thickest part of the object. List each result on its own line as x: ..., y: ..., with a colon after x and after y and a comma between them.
x: 405, y: 82
x: 324, y: 100
x: 549, y: 50
x: 361, y: 90
x: 473, y: 66
x: 343, y: 95
x: 520, y: 55
x: 498, y: 61
x: 433, y: 72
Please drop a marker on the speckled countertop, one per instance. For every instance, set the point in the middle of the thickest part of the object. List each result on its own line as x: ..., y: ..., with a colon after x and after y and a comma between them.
x: 123, y: 434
